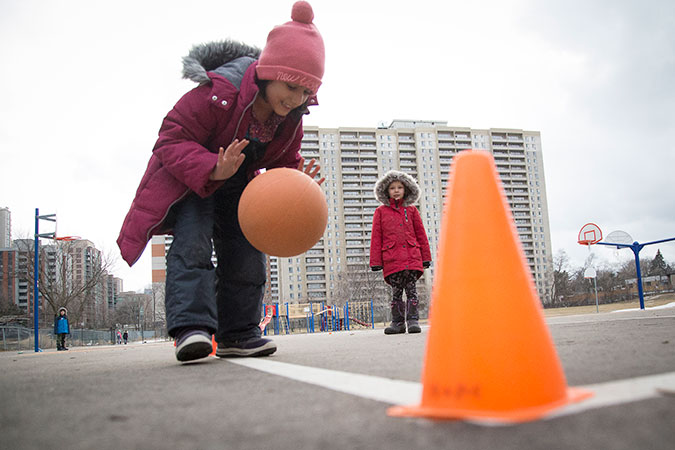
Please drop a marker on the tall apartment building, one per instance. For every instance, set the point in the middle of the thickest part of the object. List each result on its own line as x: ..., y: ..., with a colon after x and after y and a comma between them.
x: 5, y: 228
x: 352, y: 159
x: 113, y: 287
x: 87, y: 270
x: 24, y: 268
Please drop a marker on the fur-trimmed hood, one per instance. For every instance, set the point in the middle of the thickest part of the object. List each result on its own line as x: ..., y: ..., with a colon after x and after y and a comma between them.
x: 412, y: 189
x: 209, y: 57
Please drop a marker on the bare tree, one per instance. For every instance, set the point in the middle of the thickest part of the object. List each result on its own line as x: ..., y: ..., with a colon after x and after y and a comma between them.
x: 561, y: 277
x: 71, y: 274
x: 134, y: 310
x: 357, y: 283
x: 9, y: 311
x: 158, y: 308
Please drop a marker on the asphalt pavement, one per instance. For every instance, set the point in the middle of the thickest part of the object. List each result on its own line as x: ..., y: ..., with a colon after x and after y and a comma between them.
x: 314, y: 394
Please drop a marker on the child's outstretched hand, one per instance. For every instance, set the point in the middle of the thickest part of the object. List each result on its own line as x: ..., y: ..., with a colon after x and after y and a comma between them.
x: 308, y: 170
x: 229, y: 160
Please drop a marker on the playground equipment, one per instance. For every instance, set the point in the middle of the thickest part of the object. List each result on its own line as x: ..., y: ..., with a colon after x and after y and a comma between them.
x: 306, y: 316
x: 270, y: 311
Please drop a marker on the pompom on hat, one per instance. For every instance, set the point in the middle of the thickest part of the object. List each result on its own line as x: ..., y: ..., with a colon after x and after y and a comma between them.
x: 294, y: 52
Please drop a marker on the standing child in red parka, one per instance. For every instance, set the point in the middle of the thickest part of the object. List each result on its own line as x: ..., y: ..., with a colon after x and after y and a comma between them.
x: 245, y: 115
x: 399, y: 246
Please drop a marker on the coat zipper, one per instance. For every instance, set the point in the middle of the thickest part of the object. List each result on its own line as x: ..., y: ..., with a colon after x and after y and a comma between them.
x: 236, y: 131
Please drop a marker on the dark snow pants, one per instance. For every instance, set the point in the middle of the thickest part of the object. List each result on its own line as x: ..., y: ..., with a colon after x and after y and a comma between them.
x: 226, y: 300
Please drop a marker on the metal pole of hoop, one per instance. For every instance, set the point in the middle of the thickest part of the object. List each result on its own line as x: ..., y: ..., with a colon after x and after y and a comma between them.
x: 36, y: 271
x: 591, y: 273
x: 636, y: 247
x: 588, y: 235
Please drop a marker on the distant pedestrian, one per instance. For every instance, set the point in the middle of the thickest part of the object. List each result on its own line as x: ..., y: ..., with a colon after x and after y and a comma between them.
x: 399, y: 246
x: 61, y: 328
x: 125, y: 336
x: 119, y: 337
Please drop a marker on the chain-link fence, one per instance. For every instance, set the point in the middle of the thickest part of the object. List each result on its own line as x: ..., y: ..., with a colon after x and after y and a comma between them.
x: 18, y: 338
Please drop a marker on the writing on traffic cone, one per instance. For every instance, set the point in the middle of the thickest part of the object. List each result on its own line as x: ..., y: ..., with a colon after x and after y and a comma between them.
x: 489, y: 354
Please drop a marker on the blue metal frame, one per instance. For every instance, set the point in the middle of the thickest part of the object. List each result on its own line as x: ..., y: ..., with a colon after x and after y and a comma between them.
x: 346, y: 308
x: 36, y: 272
x: 636, y: 247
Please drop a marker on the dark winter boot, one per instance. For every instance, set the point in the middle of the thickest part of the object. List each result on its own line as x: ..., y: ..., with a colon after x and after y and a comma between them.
x: 412, y: 316
x: 397, y: 325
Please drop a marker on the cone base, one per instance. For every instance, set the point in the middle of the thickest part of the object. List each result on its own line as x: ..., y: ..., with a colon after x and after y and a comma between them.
x: 574, y: 395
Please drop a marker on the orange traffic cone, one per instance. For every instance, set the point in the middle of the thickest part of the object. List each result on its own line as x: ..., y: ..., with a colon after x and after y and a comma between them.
x: 215, y: 345
x: 489, y: 354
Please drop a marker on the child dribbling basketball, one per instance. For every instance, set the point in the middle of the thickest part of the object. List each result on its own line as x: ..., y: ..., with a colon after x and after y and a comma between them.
x: 245, y: 115
x: 399, y: 246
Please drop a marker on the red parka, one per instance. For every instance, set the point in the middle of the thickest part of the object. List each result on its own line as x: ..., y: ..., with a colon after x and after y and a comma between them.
x: 207, y: 118
x: 398, y: 240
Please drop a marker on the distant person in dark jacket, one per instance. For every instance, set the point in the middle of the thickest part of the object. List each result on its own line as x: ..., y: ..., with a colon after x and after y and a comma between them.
x: 125, y: 336
x: 61, y: 328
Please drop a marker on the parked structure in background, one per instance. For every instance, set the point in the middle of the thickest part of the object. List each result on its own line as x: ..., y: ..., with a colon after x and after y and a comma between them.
x: 352, y: 159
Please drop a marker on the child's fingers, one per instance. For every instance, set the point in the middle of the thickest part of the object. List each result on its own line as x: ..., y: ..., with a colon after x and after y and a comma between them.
x: 308, y: 169
x: 241, y: 145
x: 315, y: 172
x: 237, y: 146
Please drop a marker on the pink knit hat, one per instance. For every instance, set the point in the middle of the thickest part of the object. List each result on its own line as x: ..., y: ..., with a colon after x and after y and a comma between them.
x: 294, y: 51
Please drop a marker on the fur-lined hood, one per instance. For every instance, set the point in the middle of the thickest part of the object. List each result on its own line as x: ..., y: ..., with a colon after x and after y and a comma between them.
x: 210, y: 57
x: 412, y: 189
x: 63, y: 308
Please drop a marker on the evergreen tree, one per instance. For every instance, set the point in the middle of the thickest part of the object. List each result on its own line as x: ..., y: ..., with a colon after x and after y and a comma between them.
x: 658, y: 266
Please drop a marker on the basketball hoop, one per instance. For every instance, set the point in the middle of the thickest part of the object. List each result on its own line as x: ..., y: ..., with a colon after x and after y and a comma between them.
x: 67, y: 238
x: 619, y: 237
x: 589, y: 234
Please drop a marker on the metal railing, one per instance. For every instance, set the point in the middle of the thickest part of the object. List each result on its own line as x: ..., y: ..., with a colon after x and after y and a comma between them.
x: 19, y: 338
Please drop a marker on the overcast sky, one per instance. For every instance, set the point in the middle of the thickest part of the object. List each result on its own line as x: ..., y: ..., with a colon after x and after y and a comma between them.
x: 85, y: 85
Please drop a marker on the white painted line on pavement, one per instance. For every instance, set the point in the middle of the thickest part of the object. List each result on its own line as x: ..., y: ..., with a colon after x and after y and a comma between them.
x: 621, y: 391
x: 560, y: 320
x: 367, y: 386
x: 401, y: 392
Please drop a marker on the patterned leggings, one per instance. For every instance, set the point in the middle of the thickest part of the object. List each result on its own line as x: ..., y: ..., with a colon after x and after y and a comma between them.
x: 405, y: 280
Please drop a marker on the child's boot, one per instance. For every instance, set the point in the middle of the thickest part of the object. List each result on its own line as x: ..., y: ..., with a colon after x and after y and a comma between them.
x: 412, y: 317
x: 397, y: 325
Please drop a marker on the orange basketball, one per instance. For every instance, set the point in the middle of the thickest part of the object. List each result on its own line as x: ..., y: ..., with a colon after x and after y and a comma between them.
x: 283, y: 212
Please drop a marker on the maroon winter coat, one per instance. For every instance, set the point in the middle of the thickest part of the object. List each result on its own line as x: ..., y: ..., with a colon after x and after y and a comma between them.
x: 206, y: 118
x: 398, y: 240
